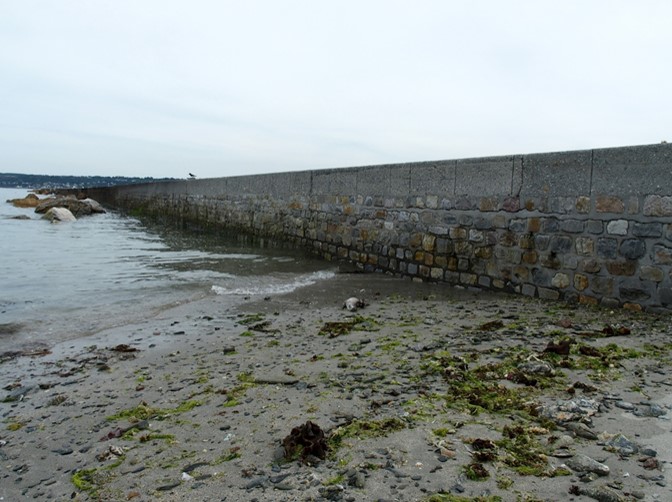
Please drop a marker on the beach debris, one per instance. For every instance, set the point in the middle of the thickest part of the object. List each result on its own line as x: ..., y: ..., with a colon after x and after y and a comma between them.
x: 122, y: 347
x: 353, y: 303
x: 610, y: 330
x: 561, y: 348
x: 336, y: 328
x: 306, y: 442
x: 491, y: 325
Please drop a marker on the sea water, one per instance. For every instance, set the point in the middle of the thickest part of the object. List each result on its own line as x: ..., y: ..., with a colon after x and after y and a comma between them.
x: 68, y: 280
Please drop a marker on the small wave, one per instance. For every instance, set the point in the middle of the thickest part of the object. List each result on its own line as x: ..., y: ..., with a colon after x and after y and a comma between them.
x: 277, y: 288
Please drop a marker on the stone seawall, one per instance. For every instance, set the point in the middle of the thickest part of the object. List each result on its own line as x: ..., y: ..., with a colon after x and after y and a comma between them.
x: 592, y: 226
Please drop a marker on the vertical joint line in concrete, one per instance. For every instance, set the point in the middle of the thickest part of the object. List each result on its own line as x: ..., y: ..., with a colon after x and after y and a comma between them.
x: 455, y: 178
x: 513, y: 173
x: 592, y: 160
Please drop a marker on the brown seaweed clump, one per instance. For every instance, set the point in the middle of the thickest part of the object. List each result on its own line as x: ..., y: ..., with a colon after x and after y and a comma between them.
x: 306, y: 442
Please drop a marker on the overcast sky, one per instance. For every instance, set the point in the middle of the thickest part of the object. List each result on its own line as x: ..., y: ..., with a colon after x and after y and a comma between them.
x: 218, y: 88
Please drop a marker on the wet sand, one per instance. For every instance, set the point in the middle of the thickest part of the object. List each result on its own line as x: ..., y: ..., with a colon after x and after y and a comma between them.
x: 427, y: 393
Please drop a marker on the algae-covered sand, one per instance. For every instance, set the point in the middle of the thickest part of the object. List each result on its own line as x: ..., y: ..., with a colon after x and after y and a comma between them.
x: 428, y: 393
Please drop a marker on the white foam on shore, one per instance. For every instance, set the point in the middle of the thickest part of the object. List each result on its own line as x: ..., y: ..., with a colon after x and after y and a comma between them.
x: 274, y: 288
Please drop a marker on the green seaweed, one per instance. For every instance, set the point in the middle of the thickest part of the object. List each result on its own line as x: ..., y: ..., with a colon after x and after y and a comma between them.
x: 145, y: 412
x: 362, y: 429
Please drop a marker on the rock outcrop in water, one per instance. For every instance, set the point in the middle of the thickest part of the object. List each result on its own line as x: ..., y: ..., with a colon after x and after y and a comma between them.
x: 59, y: 214
x: 30, y: 200
x: 76, y: 206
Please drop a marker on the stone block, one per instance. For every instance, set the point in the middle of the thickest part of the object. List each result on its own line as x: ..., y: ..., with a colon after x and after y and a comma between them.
x: 476, y: 235
x: 508, y: 239
x: 570, y: 261
x: 556, y: 174
x: 647, y: 229
x: 649, y: 273
x: 484, y: 252
x: 602, y: 285
x: 607, y: 247
x: 548, y: 294
x: 665, y: 296
x: 561, y: 244
x: 633, y: 294
x: 518, y: 225
x: 617, y: 227
x: 585, y: 246
x: 621, y: 267
x: 484, y: 281
x: 500, y: 221
x: 464, y: 203
x: 609, y: 204
x: 463, y: 248
x: 428, y: 242
x: 583, y: 204
x: 550, y: 226
x: 511, y: 204
x: 541, y: 277
x: 572, y: 226
x: 594, y: 227
x: 526, y: 241
x: 530, y: 257
x: 510, y: 256
x: 657, y: 206
x: 436, y: 273
x: 632, y: 205
x: 580, y: 282
x: 488, y: 204
x: 551, y: 261
x: 529, y: 290
x: 443, y: 246
x: 560, y: 280
x: 521, y: 273
x: 483, y: 223
x: 541, y: 242
x: 662, y: 255
x: 587, y: 300
x: 632, y: 249
x: 468, y: 279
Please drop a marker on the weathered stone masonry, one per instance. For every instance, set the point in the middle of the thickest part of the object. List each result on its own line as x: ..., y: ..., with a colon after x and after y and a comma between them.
x: 591, y: 226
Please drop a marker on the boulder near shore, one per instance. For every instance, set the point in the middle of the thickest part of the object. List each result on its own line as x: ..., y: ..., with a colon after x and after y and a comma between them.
x: 77, y: 207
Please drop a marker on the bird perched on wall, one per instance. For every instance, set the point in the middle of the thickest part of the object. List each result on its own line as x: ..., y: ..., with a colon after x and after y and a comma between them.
x: 192, y: 176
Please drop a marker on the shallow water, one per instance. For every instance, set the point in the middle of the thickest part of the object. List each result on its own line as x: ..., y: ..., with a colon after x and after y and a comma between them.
x: 67, y: 280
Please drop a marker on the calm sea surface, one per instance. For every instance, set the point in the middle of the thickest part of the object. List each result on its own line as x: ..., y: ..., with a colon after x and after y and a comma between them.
x: 67, y: 280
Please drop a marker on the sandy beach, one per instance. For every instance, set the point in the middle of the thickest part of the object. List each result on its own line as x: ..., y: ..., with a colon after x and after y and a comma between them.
x: 427, y: 393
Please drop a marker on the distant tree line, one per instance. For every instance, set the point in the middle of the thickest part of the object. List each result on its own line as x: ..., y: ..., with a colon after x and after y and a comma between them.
x: 15, y: 180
